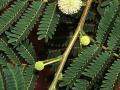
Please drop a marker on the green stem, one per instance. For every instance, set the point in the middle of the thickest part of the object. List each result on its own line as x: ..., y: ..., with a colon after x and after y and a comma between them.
x: 53, y: 60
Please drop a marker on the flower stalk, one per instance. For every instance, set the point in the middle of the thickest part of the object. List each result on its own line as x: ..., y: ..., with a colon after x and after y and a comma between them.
x: 39, y: 65
x: 71, y: 44
x: 54, y: 60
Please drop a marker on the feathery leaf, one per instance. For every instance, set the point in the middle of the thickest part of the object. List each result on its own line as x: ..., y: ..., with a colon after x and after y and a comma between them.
x: 78, y: 65
x: 26, y: 50
x: 8, y: 51
x: 12, y: 14
x: 48, y: 24
x: 111, y: 77
x: 29, y: 78
x: 114, y: 38
x: 81, y: 85
x: 106, y: 20
x: 25, y: 24
x: 3, y: 3
x: 14, y: 78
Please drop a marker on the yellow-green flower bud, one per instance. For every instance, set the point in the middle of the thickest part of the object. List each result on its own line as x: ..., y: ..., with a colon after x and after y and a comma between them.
x: 39, y: 65
x: 85, y: 40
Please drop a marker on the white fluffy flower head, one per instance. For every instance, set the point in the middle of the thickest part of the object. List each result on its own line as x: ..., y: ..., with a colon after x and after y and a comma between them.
x: 69, y: 6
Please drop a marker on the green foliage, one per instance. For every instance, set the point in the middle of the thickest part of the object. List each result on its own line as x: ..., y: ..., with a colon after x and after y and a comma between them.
x: 111, y: 77
x: 114, y: 38
x: 2, y: 61
x: 3, y: 3
x: 13, y: 78
x: 26, y: 51
x: 106, y: 20
x: 25, y: 24
x: 95, y: 69
x: 1, y: 83
x: 81, y: 85
x: 9, y: 52
x: 78, y: 65
x: 92, y: 71
x: 29, y: 78
x: 11, y: 15
x: 48, y: 24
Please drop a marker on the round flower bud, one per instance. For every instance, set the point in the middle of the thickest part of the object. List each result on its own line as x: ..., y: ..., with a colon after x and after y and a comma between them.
x: 69, y: 6
x: 85, y: 40
x: 39, y: 65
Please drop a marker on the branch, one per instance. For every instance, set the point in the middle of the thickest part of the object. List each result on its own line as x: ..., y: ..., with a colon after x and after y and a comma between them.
x: 71, y: 44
